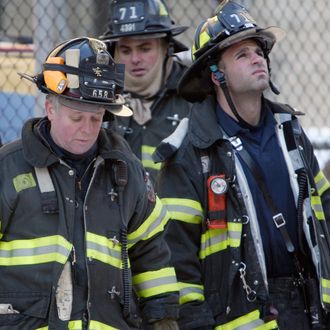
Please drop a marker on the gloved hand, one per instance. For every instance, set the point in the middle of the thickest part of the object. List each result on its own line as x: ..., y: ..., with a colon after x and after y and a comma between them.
x: 165, y: 324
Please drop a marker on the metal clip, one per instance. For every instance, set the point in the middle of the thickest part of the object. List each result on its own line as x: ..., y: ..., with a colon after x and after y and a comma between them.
x: 113, y: 293
x: 236, y: 142
x: 114, y: 241
x: 113, y: 195
x: 7, y: 309
x: 175, y: 119
x: 251, y: 295
x: 279, y: 220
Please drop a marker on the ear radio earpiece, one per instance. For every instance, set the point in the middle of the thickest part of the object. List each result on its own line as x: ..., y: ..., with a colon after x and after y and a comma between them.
x: 55, y: 80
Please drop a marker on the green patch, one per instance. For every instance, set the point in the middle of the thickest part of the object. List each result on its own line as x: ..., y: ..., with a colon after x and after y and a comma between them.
x: 24, y: 181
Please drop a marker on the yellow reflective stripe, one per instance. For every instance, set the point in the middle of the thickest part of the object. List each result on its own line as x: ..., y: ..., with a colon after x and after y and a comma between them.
x: 325, y: 290
x: 34, y: 251
x: 75, y: 325
x: 95, y: 325
x: 190, y: 292
x: 317, y: 207
x: 103, y: 249
x: 203, y: 38
x: 267, y: 326
x: 186, y: 210
x: 154, y: 224
x: 162, y: 9
x: 248, y: 322
x: 155, y: 282
x: 322, y: 184
x: 146, y: 158
x: 215, y: 240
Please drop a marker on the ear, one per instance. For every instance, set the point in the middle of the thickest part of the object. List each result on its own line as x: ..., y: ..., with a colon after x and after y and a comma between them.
x: 214, y: 79
x: 217, y: 76
x: 49, y: 107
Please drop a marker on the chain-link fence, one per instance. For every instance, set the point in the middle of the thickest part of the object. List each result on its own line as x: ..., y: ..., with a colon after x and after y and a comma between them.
x: 29, y: 29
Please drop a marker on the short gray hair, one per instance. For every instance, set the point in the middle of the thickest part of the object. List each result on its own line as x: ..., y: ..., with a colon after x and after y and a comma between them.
x: 54, y: 99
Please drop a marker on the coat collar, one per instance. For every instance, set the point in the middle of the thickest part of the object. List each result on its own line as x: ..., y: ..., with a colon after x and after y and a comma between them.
x: 204, y: 129
x: 38, y: 154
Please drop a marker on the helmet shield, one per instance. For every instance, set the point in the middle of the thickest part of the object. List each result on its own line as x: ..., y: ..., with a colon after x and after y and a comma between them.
x: 230, y: 25
x: 142, y: 19
x: 82, y: 70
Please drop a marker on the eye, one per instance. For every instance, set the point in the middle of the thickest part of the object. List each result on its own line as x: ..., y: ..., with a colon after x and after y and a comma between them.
x: 96, y: 119
x: 241, y: 55
x: 76, y: 119
x: 146, y: 49
x: 260, y: 53
x: 125, y: 51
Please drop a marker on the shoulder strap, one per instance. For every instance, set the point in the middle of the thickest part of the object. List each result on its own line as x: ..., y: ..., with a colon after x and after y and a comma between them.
x: 254, y: 167
x: 49, y: 201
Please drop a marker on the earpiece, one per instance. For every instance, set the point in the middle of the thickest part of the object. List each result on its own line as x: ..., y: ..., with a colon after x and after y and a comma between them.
x: 219, y: 75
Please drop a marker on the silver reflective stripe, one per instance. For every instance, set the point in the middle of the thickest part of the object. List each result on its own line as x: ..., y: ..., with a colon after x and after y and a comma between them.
x: 251, y: 325
x: 44, y: 180
x: 248, y: 201
x: 33, y: 251
x: 188, y: 290
x: 152, y: 226
x: 154, y: 283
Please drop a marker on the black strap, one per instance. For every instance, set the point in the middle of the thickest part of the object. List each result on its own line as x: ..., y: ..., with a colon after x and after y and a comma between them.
x: 255, y: 169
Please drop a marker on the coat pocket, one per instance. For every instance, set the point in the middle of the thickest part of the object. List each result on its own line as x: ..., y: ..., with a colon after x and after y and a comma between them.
x: 18, y: 306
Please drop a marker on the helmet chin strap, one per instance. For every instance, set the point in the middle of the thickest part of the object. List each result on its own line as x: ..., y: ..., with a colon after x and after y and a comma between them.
x: 222, y: 80
x: 272, y: 86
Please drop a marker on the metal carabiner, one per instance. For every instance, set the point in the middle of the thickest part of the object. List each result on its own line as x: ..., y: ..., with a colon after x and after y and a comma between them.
x: 251, y: 295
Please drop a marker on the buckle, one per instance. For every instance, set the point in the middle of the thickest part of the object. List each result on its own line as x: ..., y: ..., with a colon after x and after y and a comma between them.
x: 236, y: 142
x: 279, y: 220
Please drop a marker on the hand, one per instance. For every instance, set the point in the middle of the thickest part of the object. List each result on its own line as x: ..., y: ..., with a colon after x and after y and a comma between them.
x: 165, y: 324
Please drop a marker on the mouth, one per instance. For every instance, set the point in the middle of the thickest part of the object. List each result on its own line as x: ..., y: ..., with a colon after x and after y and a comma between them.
x: 138, y: 72
x: 259, y: 71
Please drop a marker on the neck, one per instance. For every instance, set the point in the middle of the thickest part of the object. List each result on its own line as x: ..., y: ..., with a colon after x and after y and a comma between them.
x: 248, y: 106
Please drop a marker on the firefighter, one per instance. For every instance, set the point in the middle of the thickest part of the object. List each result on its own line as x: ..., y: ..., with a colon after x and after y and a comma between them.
x: 80, y: 226
x: 141, y: 35
x: 249, y: 205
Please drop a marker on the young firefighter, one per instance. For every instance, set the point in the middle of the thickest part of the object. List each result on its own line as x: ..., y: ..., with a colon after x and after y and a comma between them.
x: 249, y: 205
x: 141, y: 35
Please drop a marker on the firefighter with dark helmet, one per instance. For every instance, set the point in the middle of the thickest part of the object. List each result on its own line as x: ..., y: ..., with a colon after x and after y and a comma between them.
x: 142, y: 35
x: 249, y: 205
x: 81, y: 229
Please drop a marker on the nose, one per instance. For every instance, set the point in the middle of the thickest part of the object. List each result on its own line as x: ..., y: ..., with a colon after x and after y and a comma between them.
x: 87, y: 126
x: 136, y: 58
x: 257, y: 58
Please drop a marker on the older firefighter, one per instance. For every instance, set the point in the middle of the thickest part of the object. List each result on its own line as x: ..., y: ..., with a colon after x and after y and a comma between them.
x: 141, y: 36
x: 249, y: 205
x: 80, y: 224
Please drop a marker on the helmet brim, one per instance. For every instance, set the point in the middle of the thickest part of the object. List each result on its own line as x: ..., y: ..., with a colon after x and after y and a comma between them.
x: 151, y: 34
x: 174, y: 31
x: 117, y: 108
x: 196, y: 82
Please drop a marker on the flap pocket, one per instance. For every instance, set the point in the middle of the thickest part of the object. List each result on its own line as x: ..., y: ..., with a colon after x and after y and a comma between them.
x: 29, y: 303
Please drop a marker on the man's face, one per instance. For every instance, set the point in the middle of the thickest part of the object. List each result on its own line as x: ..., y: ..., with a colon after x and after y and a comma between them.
x: 73, y: 130
x: 138, y: 55
x: 245, y: 67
